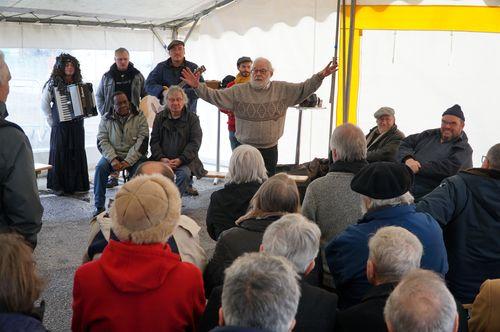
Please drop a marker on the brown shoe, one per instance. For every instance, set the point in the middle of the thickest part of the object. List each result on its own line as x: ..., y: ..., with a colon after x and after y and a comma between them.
x: 190, y: 191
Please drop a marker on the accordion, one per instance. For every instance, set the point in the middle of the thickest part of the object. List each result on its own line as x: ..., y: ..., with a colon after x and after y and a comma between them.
x: 78, y: 101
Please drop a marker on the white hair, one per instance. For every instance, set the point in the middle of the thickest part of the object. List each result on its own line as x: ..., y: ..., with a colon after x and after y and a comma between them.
x: 421, y: 303
x: 294, y: 237
x: 246, y: 165
x: 172, y: 90
x: 260, y: 291
x: 493, y: 156
x: 349, y: 142
x: 373, y: 203
x: 269, y: 65
x: 395, y: 251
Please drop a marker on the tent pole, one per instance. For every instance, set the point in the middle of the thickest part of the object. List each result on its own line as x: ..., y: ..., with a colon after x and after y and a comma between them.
x: 159, y: 39
x: 175, y: 33
x: 349, y: 63
x: 334, y: 75
x: 191, y: 29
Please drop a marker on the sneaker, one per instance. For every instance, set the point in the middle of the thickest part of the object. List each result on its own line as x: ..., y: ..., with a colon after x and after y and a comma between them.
x: 112, y: 182
x: 98, y: 211
x: 191, y: 191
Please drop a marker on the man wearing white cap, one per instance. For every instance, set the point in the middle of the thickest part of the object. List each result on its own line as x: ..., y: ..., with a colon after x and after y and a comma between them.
x: 383, y: 140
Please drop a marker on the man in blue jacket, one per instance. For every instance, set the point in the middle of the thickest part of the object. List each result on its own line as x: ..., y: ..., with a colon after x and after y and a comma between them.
x: 387, y: 202
x: 436, y: 154
x: 168, y: 73
x: 467, y: 206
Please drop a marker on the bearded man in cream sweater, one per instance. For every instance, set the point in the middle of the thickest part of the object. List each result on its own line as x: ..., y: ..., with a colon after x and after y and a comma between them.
x: 260, y: 105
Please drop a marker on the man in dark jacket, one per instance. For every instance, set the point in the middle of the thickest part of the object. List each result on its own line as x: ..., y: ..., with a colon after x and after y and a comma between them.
x: 176, y: 139
x: 383, y: 140
x: 436, y: 154
x: 384, y: 186
x: 297, y: 239
x: 393, y: 252
x: 168, y: 73
x: 20, y: 207
x: 467, y: 206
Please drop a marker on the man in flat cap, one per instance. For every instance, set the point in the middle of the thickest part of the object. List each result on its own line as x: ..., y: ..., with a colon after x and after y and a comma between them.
x: 384, y: 187
x: 168, y: 73
x: 244, y: 65
x: 436, y: 154
x: 383, y: 140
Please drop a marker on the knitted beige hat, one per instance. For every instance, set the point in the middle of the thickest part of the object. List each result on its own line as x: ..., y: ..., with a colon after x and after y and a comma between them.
x: 146, y: 210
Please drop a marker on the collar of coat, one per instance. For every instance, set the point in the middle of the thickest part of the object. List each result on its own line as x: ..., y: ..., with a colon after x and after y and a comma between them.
x: 489, y: 173
x: 348, y: 166
x: 387, y: 212
x: 241, y: 79
x: 110, y: 115
x: 380, y: 291
x: 167, y: 115
x: 170, y: 64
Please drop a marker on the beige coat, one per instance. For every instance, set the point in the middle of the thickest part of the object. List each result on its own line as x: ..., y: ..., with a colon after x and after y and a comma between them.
x: 185, y: 235
x: 485, y: 315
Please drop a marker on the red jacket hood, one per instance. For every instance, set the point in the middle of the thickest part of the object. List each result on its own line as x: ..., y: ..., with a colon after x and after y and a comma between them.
x: 134, y: 268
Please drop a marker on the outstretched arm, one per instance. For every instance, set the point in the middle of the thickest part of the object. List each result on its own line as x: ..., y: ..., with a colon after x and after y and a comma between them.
x: 330, y: 68
x: 220, y: 98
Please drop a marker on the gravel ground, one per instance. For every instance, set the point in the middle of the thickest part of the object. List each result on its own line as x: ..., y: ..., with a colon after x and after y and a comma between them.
x: 64, y: 237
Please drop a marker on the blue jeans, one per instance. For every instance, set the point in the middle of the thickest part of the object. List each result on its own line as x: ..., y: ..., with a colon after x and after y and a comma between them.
x: 102, y: 171
x: 182, y: 178
x: 232, y: 139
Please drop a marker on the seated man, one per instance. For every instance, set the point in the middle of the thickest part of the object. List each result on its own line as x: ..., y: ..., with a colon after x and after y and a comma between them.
x: 123, y: 141
x: 383, y: 140
x: 384, y: 186
x: 393, y: 252
x: 297, y: 239
x: 138, y: 284
x: 436, y: 154
x: 421, y: 303
x: 184, y: 241
x: 467, y: 206
x: 176, y: 139
x: 260, y: 293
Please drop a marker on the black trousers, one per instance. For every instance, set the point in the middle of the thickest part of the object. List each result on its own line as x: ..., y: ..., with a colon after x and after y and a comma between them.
x: 270, y: 156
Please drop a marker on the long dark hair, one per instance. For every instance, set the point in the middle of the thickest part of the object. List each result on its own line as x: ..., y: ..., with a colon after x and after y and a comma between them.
x: 57, y: 75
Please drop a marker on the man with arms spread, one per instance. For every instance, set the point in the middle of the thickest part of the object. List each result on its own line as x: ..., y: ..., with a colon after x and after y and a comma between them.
x: 260, y: 106
x: 436, y: 154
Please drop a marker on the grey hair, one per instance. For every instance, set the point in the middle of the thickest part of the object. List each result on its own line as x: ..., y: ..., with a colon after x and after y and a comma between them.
x: 175, y: 89
x: 260, y: 291
x: 246, y: 165
x: 262, y: 59
x: 373, y: 203
x: 294, y: 237
x: 349, y: 142
x: 395, y: 251
x: 493, y: 156
x: 421, y: 303
x: 4, y: 69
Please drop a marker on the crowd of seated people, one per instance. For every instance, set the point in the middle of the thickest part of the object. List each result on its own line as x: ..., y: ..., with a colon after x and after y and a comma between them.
x: 405, y: 228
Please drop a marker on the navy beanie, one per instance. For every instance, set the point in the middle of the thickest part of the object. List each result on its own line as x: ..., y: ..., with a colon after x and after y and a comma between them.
x: 455, y: 110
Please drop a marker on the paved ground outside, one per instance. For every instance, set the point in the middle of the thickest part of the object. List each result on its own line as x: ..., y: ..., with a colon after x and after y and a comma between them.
x: 64, y: 237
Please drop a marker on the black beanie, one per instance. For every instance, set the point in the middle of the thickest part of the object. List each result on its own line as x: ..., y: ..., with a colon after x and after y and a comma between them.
x: 455, y: 110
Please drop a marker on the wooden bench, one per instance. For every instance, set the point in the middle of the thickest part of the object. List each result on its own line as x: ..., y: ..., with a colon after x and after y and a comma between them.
x: 222, y: 175
x: 41, y: 167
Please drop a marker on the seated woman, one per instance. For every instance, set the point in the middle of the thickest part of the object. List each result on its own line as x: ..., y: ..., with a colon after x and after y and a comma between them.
x: 275, y: 198
x: 21, y: 286
x: 138, y: 284
x: 176, y: 139
x: 246, y: 173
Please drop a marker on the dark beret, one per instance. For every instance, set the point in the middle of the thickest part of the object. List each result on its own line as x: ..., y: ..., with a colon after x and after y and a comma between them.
x: 455, y: 110
x: 175, y: 42
x: 383, y: 180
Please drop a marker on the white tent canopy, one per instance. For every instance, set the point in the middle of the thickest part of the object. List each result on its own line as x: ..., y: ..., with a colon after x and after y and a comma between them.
x: 419, y: 73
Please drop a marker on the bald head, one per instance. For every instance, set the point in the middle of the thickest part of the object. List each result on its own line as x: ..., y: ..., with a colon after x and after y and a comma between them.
x: 155, y: 167
x: 4, y: 78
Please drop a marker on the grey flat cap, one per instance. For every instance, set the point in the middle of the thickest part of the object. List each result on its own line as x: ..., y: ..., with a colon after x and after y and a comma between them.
x: 383, y: 111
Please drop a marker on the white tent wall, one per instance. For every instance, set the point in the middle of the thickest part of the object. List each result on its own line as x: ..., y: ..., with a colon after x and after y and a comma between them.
x: 31, y: 67
x: 297, y: 36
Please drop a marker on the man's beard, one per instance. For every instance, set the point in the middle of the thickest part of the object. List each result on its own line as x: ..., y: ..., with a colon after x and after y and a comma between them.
x: 259, y: 85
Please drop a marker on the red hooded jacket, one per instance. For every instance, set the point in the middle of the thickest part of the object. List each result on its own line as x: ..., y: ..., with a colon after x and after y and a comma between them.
x: 137, y: 288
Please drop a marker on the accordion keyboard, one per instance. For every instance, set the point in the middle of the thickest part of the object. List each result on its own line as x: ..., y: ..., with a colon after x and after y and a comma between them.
x: 63, y: 106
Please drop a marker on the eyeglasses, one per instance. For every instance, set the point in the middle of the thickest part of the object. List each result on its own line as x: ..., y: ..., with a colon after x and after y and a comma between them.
x: 262, y: 71
x: 483, y: 158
